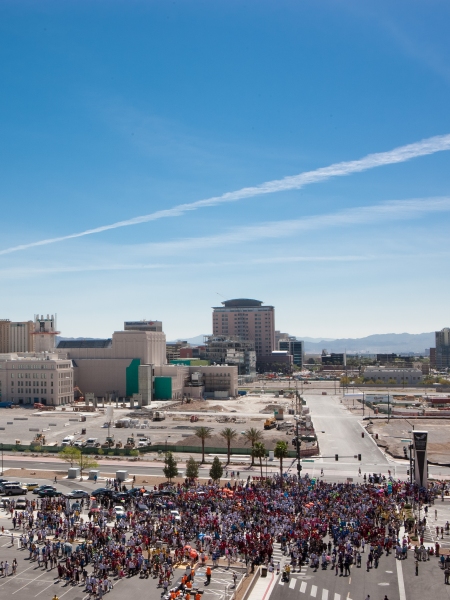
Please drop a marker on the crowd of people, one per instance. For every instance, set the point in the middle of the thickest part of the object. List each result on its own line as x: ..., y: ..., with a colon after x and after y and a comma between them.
x: 323, y: 525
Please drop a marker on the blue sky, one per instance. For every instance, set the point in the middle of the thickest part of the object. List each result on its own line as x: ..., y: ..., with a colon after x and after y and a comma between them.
x: 111, y: 111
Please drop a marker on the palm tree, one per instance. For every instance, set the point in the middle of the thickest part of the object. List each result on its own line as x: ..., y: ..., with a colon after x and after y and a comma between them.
x: 253, y: 436
x: 228, y: 435
x: 203, y: 433
x: 259, y: 451
x: 281, y: 451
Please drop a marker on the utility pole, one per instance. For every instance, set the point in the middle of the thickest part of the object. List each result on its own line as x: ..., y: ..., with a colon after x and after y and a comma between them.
x: 297, y: 435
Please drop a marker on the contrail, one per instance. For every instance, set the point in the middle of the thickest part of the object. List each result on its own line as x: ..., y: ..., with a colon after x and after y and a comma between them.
x: 295, y: 182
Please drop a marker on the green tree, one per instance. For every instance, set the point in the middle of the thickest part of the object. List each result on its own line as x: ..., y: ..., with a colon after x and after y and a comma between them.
x: 203, y: 433
x: 76, y: 457
x: 170, y: 470
x: 192, y: 467
x: 216, y: 470
x: 259, y: 451
x: 280, y: 452
x: 253, y: 436
x: 228, y: 435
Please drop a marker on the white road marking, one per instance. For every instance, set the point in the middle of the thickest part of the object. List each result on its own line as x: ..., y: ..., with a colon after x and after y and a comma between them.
x: 46, y: 588
x: 314, y: 591
x: 303, y: 587
x: 31, y: 581
x: 337, y: 597
x: 324, y: 594
x: 292, y: 583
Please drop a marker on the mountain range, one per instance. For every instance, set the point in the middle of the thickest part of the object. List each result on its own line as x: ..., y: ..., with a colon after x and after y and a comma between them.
x: 371, y: 344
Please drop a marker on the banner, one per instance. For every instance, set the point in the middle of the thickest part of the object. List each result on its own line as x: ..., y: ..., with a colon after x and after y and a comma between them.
x: 420, y: 439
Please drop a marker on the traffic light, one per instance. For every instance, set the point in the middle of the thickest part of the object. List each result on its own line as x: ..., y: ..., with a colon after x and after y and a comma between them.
x: 407, y: 472
x: 295, y: 441
x: 405, y: 452
x: 299, y: 468
x: 336, y: 457
x: 359, y: 456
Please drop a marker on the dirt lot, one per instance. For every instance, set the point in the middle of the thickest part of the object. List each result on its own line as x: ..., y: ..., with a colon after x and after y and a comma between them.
x: 390, y: 436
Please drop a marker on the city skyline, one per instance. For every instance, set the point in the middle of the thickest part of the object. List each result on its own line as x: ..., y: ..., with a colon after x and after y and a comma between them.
x: 303, y: 160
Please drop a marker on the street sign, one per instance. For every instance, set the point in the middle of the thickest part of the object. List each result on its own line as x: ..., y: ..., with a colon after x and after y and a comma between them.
x: 405, y: 441
x: 307, y: 460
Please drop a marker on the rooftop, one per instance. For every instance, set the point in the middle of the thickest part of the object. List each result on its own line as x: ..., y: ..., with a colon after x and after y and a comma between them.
x: 66, y: 344
x: 241, y: 302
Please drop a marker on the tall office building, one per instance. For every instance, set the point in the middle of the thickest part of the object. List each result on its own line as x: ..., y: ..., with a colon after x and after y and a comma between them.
x: 16, y: 336
x: 249, y: 320
x: 443, y: 348
x: 293, y: 347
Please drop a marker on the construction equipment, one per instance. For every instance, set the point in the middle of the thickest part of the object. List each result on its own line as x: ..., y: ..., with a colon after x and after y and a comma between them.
x: 159, y: 415
x: 109, y: 443
x: 79, y: 398
x: 39, y: 438
x: 118, y: 444
x: 194, y: 419
x: 270, y: 423
x: 130, y: 443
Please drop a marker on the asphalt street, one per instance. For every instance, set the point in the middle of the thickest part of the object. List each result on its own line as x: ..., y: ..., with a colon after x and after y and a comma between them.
x: 32, y: 581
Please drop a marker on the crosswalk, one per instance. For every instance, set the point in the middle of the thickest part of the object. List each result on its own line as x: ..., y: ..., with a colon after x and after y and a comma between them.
x: 311, y: 590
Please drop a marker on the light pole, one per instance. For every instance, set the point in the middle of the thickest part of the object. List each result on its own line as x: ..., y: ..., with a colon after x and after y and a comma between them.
x: 2, y: 458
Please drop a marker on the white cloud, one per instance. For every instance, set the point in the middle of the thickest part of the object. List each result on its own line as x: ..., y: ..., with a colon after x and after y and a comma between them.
x: 397, y: 155
x: 394, y: 210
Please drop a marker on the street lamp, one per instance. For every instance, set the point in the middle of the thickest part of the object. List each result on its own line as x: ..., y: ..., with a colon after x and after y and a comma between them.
x: 2, y: 458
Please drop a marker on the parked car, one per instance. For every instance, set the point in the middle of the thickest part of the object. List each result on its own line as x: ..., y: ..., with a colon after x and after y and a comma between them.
x: 43, y: 487
x: 21, y: 503
x: 119, y: 512
x: 49, y: 493
x: 13, y: 489
x: 102, y: 492
x: 31, y: 486
x: 175, y: 516
x: 78, y: 494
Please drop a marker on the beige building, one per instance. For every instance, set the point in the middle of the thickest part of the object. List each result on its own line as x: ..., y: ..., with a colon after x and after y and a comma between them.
x: 28, y: 336
x: 111, y: 366
x: 30, y: 378
x: 249, y: 320
x: 16, y: 336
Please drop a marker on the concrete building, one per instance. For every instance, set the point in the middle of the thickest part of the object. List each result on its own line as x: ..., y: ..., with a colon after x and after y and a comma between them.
x: 111, y: 366
x: 44, y: 333
x: 30, y: 378
x: 16, y: 336
x: 399, y: 376
x: 443, y: 348
x: 295, y: 348
x: 231, y: 350
x: 173, y: 382
x: 249, y: 320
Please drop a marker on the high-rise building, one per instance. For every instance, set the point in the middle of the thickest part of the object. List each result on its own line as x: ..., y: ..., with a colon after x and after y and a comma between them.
x: 443, y: 348
x: 16, y: 336
x: 294, y: 347
x: 249, y: 320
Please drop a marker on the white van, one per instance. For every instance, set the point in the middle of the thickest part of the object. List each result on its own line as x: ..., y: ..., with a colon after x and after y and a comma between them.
x: 68, y: 440
x: 92, y: 443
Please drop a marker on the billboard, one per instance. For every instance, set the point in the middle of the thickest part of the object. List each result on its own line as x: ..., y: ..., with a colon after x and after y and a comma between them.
x: 420, y: 439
